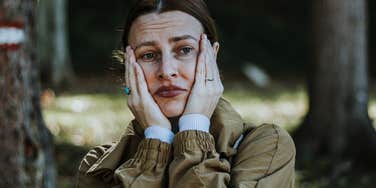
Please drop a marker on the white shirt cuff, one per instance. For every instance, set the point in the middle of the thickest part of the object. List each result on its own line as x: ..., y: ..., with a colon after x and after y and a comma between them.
x: 194, y: 122
x: 161, y: 133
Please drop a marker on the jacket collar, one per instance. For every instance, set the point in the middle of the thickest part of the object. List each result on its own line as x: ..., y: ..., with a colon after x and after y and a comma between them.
x: 226, y: 127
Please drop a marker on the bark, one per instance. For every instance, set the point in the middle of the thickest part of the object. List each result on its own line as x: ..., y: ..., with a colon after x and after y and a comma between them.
x: 43, y: 35
x: 53, y: 50
x: 61, y: 64
x: 337, y: 124
x: 26, y: 144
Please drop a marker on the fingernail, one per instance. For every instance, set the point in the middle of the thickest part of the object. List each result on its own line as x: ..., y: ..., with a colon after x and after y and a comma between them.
x: 206, y: 37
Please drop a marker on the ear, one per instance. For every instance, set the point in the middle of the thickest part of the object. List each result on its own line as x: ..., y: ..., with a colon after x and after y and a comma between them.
x: 216, y: 49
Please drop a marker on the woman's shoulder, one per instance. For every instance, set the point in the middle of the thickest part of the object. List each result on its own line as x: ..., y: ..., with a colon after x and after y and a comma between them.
x: 269, y: 131
x: 266, y: 157
x: 268, y: 135
x: 265, y: 148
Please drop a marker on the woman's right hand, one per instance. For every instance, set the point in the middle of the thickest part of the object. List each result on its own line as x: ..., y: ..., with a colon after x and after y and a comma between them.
x: 140, y: 102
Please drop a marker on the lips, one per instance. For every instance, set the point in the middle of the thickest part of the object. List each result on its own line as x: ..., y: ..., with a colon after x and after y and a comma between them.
x: 169, y: 91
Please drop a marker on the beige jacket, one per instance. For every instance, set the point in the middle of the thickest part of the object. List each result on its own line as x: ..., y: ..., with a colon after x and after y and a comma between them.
x: 234, y: 154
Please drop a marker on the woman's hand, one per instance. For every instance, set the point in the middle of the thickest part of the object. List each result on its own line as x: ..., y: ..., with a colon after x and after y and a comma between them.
x: 140, y: 102
x: 207, y: 88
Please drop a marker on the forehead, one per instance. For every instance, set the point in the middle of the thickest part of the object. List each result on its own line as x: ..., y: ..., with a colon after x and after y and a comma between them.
x: 162, y: 26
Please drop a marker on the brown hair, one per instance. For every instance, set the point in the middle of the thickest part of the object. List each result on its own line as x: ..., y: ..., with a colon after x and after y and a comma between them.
x: 195, y: 8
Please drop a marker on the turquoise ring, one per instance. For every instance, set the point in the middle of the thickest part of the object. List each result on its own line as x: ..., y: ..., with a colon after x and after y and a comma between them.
x: 127, y: 90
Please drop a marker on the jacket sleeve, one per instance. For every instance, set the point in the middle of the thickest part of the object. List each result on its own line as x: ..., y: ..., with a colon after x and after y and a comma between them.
x: 118, y: 166
x: 84, y: 180
x: 265, y: 159
x: 196, y: 162
x: 148, y: 167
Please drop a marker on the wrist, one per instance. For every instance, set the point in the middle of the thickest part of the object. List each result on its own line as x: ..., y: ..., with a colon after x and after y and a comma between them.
x: 158, y: 132
x: 198, y: 122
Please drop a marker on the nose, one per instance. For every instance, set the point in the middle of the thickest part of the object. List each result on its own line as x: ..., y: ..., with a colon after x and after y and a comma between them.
x: 168, y: 68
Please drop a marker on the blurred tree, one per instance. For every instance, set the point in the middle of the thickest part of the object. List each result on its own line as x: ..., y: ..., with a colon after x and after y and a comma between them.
x: 337, y: 125
x: 52, y: 42
x: 26, y: 158
x: 94, y: 32
x: 372, y: 36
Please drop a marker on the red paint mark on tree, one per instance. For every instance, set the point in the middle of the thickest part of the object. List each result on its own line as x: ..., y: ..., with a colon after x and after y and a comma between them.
x: 10, y: 47
x: 14, y: 24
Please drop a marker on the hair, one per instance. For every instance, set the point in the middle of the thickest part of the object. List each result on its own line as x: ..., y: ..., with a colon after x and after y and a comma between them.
x: 195, y: 8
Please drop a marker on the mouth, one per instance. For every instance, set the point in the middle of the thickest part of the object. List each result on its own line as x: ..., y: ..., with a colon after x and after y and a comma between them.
x: 169, y: 91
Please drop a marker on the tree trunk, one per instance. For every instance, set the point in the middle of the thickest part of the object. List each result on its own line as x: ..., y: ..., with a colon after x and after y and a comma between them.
x: 52, y: 40
x: 26, y: 157
x: 337, y: 125
x: 62, y: 70
x: 44, y: 36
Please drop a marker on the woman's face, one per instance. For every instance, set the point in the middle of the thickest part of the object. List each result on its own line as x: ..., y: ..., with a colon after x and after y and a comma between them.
x: 166, y: 45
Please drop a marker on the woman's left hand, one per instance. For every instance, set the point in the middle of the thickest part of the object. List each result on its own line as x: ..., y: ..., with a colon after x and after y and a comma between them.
x: 207, y: 88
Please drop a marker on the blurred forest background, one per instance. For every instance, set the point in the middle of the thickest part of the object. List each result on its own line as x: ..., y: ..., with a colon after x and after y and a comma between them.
x: 274, y: 70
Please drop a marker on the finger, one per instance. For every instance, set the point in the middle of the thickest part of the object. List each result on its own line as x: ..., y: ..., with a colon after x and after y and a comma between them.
x: 214, y: 66
x: 126, y: 64
x: 132, y: 76
x: 142, y: 86
x: 215, y: 58
x: 215, y: 86
x: 210, y: 68
x: 200, y: 67
x: 212, y: 63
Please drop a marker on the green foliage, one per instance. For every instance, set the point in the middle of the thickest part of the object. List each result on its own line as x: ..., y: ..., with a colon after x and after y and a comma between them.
x: 256, y: 31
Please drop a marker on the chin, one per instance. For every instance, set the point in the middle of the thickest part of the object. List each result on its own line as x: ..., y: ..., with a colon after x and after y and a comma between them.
x: 173, y: 109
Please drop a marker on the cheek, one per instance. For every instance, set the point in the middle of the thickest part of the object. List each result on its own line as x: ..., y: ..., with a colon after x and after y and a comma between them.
x: 149, y: 74
x: 188, y: 71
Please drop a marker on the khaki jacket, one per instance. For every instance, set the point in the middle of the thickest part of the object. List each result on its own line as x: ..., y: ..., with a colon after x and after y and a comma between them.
x: 234, y: 154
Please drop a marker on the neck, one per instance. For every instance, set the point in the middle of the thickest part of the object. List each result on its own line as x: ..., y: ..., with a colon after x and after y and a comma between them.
x: 174, y: 123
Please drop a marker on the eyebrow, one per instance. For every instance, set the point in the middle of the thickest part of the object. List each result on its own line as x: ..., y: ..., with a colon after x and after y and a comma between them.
x: 149, y: 43
x: 173, y: 39
x: 179, y: 38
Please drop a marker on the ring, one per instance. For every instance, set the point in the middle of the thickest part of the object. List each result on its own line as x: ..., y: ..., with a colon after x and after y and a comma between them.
x: 127, y: 90
x: 209, y: 79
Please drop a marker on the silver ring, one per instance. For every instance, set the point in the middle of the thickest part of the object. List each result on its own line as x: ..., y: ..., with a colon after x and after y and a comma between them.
x: 209, y: 79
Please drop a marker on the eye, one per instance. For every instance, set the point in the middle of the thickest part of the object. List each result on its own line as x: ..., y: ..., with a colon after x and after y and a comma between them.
x: 185, y: 50
x: 149, y: 56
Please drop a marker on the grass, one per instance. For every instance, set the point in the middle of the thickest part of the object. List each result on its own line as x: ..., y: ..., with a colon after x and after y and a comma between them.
x: 82, y: 120
x: 87, y: 119
x: 92, y: 119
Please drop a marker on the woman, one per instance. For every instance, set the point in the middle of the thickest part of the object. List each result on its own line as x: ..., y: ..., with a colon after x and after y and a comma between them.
x: 184, y: 134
